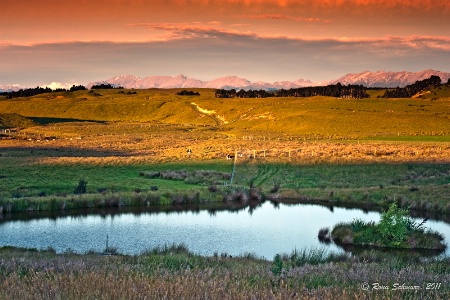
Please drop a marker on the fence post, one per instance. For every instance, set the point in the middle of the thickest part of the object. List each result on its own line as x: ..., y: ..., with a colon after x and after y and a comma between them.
x: 234, y: 167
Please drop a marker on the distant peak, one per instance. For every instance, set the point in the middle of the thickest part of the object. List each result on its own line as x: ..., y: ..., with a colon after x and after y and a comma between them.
x: 367, y: 78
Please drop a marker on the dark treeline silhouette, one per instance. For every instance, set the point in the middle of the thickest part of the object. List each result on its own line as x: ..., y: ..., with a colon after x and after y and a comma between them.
x: 39, y: 90
x: 334, y: 90
x: 188, y: 93
x: 77, y: 88
x: 27, y: 92
x: 225, y: 93
x: 412, y: 89
x: 105, y: 87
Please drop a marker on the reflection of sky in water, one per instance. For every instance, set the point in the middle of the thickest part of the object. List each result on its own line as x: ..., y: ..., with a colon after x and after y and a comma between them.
x: 265, y: 232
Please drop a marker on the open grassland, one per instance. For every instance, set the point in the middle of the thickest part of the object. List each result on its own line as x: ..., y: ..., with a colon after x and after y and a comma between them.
x: 409, y: 173
x: 371, y: 151
x: 174, y: 273
x: 313, y: 117
x: 129, y: 147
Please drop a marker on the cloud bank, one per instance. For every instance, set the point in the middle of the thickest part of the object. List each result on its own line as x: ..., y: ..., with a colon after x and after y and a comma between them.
x: 206, y: 52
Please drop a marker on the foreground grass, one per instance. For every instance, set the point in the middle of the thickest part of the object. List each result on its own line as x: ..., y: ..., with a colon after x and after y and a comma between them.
x: 174, y: 273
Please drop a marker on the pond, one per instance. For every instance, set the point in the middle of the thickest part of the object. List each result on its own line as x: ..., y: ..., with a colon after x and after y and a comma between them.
x: 264, y: 231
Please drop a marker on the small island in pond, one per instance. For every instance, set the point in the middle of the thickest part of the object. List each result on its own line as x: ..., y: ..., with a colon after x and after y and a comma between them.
x: 394, y: 230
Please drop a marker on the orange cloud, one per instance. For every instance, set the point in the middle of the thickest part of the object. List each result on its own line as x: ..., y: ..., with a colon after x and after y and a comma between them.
x: 176, y: 31
x: 285, y: 17
x: 416, y: 4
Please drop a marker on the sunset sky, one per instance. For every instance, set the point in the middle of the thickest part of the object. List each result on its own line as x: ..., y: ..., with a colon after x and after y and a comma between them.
x: 75, y: 42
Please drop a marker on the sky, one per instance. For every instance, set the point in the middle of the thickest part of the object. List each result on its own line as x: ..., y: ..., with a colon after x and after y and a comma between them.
x: 79, y: 41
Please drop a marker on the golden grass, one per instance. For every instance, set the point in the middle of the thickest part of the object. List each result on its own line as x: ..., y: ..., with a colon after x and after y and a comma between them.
x: 313, y: 117
x: 157, y: 127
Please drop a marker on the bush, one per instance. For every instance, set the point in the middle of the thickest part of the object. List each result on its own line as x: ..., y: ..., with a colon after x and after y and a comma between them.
x: 277, y: 265
x: 393, y: 226
x: 81, y: 188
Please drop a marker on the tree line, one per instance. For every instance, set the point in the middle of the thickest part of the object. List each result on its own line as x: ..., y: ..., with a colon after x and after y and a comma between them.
x: 40, y: 90
x: 187, y: 93
x: 333, y: 90
x: 104, y: 86
x: 412, y: 89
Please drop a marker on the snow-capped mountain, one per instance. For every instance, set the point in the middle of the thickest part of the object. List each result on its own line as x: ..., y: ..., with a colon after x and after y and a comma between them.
x: 162, y: 82
x: 366, y: 78
x: 182, y: 81
x: 389, y: 79
x: 228, y: 81
x: 10, y: 88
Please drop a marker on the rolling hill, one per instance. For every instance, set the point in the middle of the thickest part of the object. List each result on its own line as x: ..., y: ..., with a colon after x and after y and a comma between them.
x: 310, y: 116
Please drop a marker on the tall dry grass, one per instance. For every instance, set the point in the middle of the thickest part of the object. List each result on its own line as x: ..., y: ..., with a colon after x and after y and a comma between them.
x: 177, y: 274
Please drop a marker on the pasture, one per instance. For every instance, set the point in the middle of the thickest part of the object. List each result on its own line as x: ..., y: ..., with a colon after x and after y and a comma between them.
x: 308, y: 118
x: 371, y: 151
x: 131, y: 149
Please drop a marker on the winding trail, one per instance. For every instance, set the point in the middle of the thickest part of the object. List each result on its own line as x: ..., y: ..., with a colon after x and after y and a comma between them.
x: 220, y: 121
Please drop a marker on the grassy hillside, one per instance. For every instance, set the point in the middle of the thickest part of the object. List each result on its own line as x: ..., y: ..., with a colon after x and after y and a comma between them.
x: 13, y: 120
x: 324, y: 116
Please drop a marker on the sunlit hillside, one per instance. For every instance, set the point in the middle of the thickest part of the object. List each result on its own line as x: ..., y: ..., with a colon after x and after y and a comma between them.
x: 326, y: 117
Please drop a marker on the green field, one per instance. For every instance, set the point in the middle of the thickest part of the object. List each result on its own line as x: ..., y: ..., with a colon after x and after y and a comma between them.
x: 130, y: 147
x: 371, y: 151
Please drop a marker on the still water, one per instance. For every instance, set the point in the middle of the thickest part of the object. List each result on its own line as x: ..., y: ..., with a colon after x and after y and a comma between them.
x: 264, y: 231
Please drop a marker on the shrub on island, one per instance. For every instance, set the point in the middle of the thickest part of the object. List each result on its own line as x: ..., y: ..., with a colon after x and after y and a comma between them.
x: 394, y: 230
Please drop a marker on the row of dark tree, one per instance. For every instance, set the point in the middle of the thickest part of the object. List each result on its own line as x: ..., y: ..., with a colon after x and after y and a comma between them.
x: 412, y: 89
x: 187, y: 93
x: 107, y: 86
x: 333, y: 90
x: 39, y: 90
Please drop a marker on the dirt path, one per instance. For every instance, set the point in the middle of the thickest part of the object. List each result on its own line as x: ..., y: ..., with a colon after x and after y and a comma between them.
x: 220, y: 121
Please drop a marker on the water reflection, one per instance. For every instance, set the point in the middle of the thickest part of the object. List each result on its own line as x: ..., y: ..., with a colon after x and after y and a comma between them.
x: 263, y: 229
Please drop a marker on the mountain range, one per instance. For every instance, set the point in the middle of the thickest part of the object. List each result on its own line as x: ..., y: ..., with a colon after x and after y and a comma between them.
x: 366, y: 78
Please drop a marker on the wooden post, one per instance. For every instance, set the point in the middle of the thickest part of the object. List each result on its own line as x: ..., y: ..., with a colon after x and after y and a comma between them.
x: 234, y: 168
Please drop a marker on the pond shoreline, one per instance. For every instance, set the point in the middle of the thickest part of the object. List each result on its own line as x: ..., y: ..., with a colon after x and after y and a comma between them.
x: 229, y: 198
